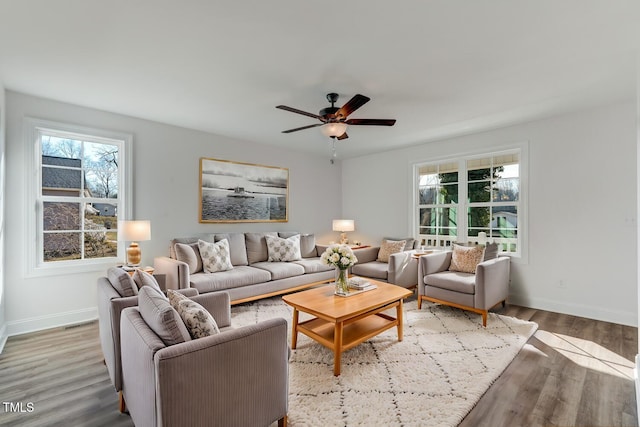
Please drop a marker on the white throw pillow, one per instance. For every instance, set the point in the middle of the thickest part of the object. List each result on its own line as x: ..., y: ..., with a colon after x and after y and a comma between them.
x: 280, y: 249
x: 215, y: 256
x: 199, y: 322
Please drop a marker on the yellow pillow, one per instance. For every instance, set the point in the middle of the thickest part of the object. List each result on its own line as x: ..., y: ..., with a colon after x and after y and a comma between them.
x: 389, y: 247
x: 465, y: 259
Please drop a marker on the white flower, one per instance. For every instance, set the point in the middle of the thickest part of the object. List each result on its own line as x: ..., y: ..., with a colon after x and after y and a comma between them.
x: 340, y: 256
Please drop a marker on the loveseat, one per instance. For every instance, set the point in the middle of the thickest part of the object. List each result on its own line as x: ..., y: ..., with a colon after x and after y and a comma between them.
x: 255, y: 268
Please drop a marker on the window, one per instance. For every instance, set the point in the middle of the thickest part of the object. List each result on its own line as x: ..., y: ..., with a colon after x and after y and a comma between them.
x: 465, y: 199
x: 79, y: 191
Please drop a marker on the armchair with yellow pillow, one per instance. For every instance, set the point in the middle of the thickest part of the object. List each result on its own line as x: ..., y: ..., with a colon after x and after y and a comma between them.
x: 472, y: 278
x: 392, y: 262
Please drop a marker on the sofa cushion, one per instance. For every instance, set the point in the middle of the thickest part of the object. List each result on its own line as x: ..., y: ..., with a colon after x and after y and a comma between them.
x: 453, y: 281
x: 389, y: 247
x: 240, y: 276
x: 215, y: 256
x: 373, y: 269
x: 257, y: 246
x: 410, y: 242
x: 142, y: 278
x: 237, y: 247
x: 490, y: 251
x: 189, y: 253
x: 466, y: 258
x: 199, y: 322
x: 285, y: 250
x: 313, y: 265
x: 280, y: 270
x: 163, y: 319
x: 308, y: 246
x: 122, y: 282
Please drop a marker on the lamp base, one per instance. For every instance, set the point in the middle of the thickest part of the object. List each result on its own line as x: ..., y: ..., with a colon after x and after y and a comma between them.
x: 343, y: 239
x: 134, y: 255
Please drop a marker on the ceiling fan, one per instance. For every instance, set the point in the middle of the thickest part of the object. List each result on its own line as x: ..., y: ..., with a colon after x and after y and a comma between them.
x: 334, y: 120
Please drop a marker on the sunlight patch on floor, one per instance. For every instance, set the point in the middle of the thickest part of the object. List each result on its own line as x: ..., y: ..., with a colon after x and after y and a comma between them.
x: 588, y: 354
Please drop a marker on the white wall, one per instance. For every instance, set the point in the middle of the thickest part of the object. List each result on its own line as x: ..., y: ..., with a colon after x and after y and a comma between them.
x: 3, y: 326
x: 165, y: 191
x: 582, y: 207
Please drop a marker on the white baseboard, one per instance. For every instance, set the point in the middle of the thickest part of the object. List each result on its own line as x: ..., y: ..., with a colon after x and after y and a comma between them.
x: 40, y: 323
x: 3, y: 337
x: 580, y: 310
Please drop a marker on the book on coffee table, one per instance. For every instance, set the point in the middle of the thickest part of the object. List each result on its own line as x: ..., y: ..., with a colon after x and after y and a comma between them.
x: 360, y: 283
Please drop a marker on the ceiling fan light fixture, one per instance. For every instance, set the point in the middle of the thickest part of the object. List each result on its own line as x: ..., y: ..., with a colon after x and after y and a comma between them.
x: 333, y: 130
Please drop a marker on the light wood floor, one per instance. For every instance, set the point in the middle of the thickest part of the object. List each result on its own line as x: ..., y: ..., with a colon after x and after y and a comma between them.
x: 62, y: 373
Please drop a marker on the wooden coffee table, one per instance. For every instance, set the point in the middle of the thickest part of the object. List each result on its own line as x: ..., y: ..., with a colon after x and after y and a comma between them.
x: 341, y: 323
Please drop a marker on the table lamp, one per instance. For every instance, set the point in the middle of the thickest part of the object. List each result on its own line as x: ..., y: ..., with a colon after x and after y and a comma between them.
x: 343, y: 225
x: 134, y: 232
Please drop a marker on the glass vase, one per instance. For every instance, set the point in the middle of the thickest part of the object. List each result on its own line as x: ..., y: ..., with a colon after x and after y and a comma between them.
x: 342, y: 282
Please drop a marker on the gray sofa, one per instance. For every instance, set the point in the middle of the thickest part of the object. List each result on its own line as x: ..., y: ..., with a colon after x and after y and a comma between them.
x: 252, y: 276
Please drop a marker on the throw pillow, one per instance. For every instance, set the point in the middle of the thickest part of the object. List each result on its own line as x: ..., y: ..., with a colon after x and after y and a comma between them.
x: 215, y: 256
x: 466, y: 258
x: 490, y: 251
x: 410, y: 241
x: 389, y: 247
x: 308, y: 246
x: 163, y: 319
x: 142, y: 278
x: 189, y: 254
x: 199, y: 322
x: 280, y: 249
x: 122, y: 282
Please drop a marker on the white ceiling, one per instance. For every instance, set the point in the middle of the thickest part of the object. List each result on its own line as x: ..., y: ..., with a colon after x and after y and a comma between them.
x: 441, y: 68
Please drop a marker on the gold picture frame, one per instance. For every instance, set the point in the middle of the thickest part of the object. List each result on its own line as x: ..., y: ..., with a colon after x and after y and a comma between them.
x: 242, y: 192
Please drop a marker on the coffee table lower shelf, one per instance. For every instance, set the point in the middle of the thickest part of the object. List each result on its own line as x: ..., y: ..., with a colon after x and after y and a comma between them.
x: 353, y: 333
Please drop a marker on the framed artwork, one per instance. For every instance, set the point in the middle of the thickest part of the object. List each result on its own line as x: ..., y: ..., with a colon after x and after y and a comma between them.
x: 243, y: 192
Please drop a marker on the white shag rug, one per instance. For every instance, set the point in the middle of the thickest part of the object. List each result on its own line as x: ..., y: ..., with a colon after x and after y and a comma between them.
x: 434, y: 377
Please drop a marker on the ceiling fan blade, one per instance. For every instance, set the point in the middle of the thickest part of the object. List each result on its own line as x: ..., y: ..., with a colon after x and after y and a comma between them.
x: 343, y: 136
x: 352, y: 105
x: 302, y: 128
x: 371, y: 122
x: 295, y: 110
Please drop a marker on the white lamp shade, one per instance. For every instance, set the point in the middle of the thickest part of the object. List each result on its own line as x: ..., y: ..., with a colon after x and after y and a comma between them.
x: 343, y: 225
x: 333, y: 129
x: 134, y: 231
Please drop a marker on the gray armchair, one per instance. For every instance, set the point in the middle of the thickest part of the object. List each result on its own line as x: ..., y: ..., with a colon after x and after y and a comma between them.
x: 401, y: 270
x: 477, y: 292
x: 112, y: 299
x: 238, y: 377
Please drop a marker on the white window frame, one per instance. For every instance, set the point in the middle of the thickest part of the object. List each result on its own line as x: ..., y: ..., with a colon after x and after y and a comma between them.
x: 522, y: 149
x: 35, y: 265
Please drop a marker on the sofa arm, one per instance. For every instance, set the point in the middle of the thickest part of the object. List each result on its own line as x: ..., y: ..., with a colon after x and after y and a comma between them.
x: 248, y: 364
x: 492, y: 282
x: 188, y: 292
x: 403, y: 269
x: 177, y: 272
x: 218, y: 304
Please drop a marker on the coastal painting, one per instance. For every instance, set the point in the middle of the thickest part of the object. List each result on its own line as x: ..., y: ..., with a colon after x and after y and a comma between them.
x: 243, y: 192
